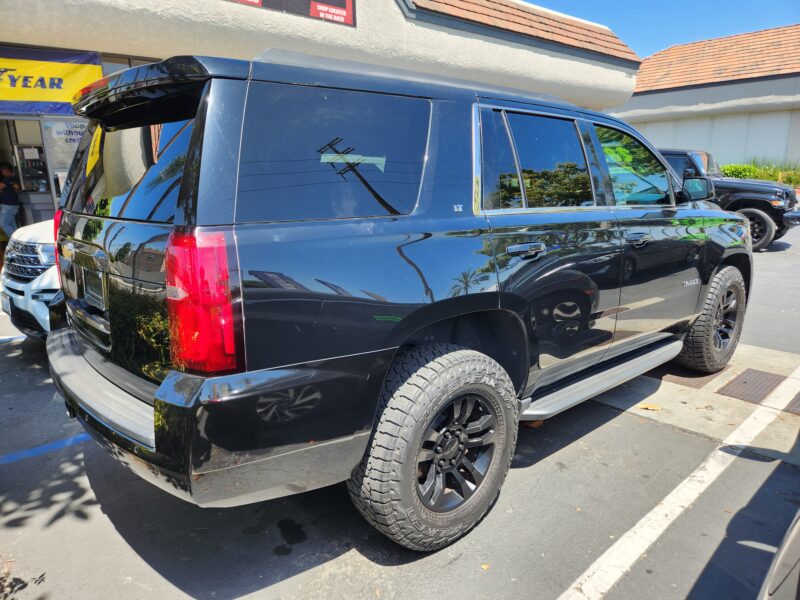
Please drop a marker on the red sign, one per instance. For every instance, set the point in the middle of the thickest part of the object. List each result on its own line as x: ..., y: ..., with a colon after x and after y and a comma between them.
x: 335, y: 11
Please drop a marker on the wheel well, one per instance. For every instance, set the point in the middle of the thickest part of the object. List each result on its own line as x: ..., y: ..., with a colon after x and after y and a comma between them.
x: 741, y: 262
x: 498, y: 334
x: 762, y: 205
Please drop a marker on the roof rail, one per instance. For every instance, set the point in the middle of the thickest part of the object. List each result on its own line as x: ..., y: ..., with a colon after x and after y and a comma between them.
x: 303, y: 60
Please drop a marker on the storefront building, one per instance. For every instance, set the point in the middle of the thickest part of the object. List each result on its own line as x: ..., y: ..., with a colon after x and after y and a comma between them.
x: 38, y: 131
x: 506, y: 43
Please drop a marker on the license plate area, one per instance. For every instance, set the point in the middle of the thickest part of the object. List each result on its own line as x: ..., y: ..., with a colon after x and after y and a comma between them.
x: 94, y: 289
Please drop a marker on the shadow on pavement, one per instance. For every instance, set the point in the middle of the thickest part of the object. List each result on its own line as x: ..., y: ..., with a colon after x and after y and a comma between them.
x: 51, y: 488
x: 224, y: 553
x: 741, y: 562
x: 47, y: 494
x: 29, y: 354
x: 777, y: 247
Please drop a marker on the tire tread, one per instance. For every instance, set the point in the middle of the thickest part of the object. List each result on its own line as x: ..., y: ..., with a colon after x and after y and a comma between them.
x: 375, y: 486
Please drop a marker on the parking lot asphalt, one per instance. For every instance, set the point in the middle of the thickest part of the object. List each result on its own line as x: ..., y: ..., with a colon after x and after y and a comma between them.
x: 637, y: 463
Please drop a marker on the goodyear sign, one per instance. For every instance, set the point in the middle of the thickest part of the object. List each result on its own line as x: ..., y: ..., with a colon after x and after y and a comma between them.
x: 34, y: 81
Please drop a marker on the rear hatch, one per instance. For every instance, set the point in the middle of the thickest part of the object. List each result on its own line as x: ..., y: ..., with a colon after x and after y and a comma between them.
x: 138, y: 275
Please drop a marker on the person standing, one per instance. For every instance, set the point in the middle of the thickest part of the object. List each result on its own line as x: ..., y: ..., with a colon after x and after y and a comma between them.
x: 9, y: 199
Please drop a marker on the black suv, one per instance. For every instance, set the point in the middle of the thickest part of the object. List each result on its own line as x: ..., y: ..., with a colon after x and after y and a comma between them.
x: 771, y: 207
x: 281, y: 277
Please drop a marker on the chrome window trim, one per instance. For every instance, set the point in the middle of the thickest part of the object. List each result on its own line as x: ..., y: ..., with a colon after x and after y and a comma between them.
x: 477, y: 163
x: 543, y: 209
x: 655, y: 154
x: 477, y: 152
x: 517, y: 164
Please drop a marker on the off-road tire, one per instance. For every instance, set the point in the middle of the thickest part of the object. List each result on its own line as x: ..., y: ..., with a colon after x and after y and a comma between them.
x: 699, y: 352
x: 420, y: 383
x: 764, y: 222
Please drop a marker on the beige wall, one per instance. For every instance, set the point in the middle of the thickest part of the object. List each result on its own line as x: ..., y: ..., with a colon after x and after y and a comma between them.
x: 384, y: 36
x: 735, y: 122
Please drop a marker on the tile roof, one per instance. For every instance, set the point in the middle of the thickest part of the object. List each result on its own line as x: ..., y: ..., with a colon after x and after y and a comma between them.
x: 745, y: 56
x: 532, y: 21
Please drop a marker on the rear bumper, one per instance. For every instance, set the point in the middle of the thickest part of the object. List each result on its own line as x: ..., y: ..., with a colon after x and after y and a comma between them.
x: 205, y: 440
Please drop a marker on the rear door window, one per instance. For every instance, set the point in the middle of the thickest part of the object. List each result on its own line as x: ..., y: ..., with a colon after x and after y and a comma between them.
x: 551, y: 161
x: 317, y: 153
x: 501, y: 187
x: 130, y: 173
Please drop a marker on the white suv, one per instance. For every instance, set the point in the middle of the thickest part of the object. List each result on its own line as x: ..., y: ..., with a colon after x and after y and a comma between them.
x: 29, y: 279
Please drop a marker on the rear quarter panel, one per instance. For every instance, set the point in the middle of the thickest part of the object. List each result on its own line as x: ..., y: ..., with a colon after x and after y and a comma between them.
x: 336, y: 287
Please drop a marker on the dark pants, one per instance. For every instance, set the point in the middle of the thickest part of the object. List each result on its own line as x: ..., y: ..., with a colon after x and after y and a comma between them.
x: 8, y: 218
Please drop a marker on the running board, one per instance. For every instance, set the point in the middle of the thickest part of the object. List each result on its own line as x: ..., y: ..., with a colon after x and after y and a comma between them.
x: 594, y: 385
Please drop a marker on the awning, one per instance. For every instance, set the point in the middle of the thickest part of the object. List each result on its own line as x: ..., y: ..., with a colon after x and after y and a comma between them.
x: 34, y: 81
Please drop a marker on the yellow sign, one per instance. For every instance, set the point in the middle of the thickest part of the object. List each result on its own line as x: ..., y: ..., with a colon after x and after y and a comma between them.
x: 44, y: 81
x: 94, y: 150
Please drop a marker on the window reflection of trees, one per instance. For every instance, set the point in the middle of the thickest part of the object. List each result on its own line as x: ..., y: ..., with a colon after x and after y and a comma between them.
x: 565, y: 185
x: 636, y: 174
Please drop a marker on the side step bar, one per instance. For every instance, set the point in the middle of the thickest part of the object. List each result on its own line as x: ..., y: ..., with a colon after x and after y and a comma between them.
x: 594, y: 385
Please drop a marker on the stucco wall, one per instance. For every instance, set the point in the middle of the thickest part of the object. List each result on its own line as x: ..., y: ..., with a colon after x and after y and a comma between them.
x: 384, y: 36
x: 735, y: 122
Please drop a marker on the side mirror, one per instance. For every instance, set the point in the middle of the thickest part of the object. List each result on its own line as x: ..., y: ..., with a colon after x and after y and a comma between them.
x: 698, y: 188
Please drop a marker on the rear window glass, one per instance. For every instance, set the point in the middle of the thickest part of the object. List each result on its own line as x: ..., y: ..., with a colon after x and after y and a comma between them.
x: 318, y: 153
x: 130, y: 173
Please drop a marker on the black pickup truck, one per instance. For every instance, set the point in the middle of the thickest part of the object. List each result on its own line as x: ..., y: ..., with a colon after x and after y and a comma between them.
x: 281, y: 277
x: 770, y: 207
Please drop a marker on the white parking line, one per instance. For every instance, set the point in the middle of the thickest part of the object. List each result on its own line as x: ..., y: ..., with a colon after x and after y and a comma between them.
x: 607, y: 570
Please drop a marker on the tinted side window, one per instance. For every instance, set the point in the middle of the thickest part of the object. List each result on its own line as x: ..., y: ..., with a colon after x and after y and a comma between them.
x: 130, y: 173
x: 501, y: 188
x: 637, y: 176
x: 317, y: 153
x: 551, y: 160
x: 679, y: 163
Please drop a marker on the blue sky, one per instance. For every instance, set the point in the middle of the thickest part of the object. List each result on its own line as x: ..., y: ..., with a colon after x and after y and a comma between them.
x: 648, y: 27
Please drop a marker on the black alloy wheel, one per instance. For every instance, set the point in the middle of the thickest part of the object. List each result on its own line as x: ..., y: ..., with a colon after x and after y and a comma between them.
x: 441, y: 446
x: 456, y: 452
x: 712, y: 339
x: 725, y: 321
x: 762, y: 227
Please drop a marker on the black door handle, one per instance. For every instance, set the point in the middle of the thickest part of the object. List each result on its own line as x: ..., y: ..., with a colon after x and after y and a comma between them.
x: 531, y: 250
x: 637, y: 240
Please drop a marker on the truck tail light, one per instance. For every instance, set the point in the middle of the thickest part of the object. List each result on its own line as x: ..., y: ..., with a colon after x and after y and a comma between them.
x: 205, y: 331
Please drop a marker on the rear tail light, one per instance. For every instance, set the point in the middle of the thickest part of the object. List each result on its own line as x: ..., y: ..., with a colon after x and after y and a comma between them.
x: 57, y: 224
x: 205, y: 336
x: 92, y: 87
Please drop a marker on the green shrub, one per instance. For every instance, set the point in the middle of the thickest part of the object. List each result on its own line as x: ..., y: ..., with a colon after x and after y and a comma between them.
x: 785, y: 172
x: 740, y: 171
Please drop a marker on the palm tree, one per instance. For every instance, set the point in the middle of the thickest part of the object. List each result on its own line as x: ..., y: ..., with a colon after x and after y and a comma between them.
x: 465, y: 281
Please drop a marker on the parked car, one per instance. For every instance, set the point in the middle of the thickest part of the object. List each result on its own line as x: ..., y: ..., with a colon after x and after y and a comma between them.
x: 771, y: 207
x: 29, y: 279
x: 281, y: 277
x: 783, y: 579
